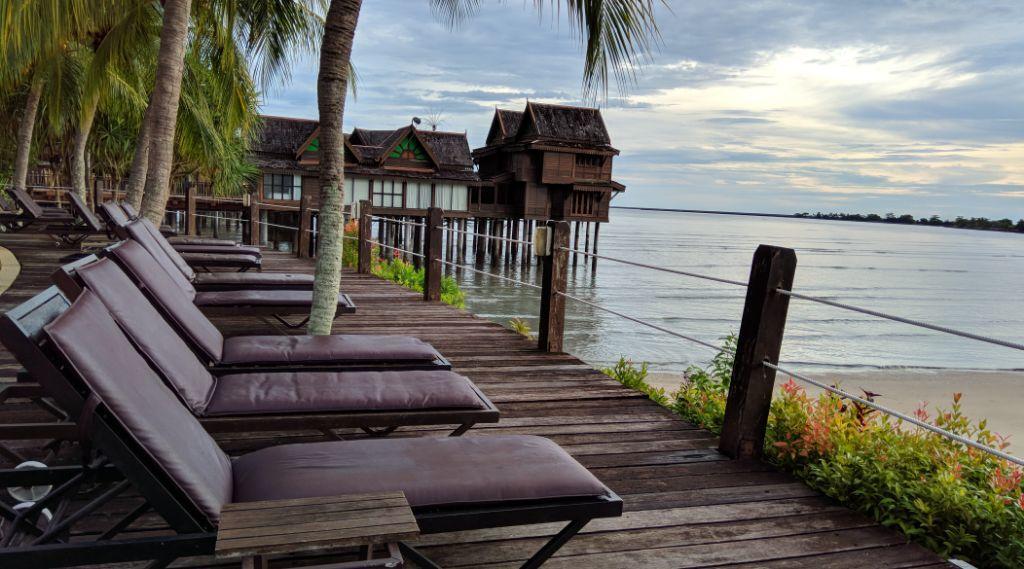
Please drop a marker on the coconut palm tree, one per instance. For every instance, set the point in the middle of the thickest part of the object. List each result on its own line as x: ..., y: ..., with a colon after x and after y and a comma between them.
x: 616, y: 37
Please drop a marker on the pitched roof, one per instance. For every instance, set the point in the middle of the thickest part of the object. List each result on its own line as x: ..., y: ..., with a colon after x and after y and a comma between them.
x: 504, y: 125
x: 282, y: 141
x: 282, y: 135
x: 580, y: 125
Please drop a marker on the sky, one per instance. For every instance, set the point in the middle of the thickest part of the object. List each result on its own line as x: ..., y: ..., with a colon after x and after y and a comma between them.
x: 758, y: 105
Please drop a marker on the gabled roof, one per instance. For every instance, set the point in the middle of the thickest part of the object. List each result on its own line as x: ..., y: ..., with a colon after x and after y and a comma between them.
x: 282, y: 135
x: 577, y: 125
x: 451, y: 149
x: 504, y: 124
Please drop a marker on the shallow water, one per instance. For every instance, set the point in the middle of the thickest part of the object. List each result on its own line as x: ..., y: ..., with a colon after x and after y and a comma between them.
x: 972, y: 280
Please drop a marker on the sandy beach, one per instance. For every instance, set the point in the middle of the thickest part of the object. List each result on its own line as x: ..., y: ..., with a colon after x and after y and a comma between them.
x: 995, y: 395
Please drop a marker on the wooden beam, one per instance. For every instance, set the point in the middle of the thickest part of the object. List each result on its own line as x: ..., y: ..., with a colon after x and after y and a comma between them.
x: 190, y: 209
x: 760, y: 339
x: 254, y: 218
x: 432, y: 278
x: 365, y: 236
x: 305, y: 227
x: 552, y: 303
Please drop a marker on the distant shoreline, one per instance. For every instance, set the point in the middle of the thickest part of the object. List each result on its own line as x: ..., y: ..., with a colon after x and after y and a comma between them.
x: 882, y: 221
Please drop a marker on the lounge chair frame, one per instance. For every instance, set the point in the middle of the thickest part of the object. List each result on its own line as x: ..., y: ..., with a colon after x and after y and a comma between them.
x: 68, y: 228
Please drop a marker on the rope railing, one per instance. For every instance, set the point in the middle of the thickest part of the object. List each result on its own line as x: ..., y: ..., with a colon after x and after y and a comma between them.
x: 484, y: 235
x: 902, y: 416
x: 400, y: 250
x: 398, y: 221
x: 646, y: 323
x: 910, y: 321
x: 494, y: 275
x: 656, y: 268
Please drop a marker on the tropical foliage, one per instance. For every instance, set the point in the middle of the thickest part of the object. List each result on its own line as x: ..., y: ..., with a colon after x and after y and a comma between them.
x: 957, y: 501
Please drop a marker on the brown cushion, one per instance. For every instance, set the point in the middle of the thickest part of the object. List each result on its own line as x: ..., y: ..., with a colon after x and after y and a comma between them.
x: 160, y: 344
x: 143, y: 231
x: 104, y: 358
x: 210, y: 281
x: 175, y: 304
x: 431, y: 471
x: 186, y: 240
x: 325, y: 349
x: 309, y: 392
x: 200, y: 259
x: 266, y: 298
x: 217, y: 249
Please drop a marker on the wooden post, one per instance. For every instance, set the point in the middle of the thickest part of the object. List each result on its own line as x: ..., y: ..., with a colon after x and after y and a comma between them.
x: 417, y: 242
x: 365, y: 236
x: 513, y: 246
x: 552, y: 304
x: 576, y: 245
x: 432, y: 278
x: 254, y: 217
x: 97, y: 193
x: 760, y: 339
x: 586, y: 244
x: 305, y: 227
x: 593, y: 260
x: 190, y: 208
x: 479, y: 244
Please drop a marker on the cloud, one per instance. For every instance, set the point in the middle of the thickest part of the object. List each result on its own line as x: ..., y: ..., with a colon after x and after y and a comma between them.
x: 773, y: 105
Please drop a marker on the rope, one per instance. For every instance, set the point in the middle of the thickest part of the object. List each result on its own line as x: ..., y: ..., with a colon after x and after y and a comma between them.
x: 918, y: 323
x: 452, y: 229
x: 379, y: 244
x: 901, y: 416
x: 389, y: 220
x: 654, y: 268
x: 497, y: 276
x: 648, y: 324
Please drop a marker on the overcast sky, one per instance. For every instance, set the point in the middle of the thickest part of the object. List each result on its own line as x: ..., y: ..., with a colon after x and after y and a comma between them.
x: 767, y: 106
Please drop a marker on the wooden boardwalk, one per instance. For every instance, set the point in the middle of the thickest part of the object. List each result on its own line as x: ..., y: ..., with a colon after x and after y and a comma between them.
x: 685, y: 504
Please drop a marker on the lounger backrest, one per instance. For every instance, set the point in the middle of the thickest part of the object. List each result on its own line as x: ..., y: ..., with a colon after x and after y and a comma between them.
x: 21, y: 331
x: 25, y: 201
x: 83, y: 213
x: 170, y: 299
x: 129, y: 210
x: 113, y: 214
x: 168, y: 258
x: 148, y: 330
x: 137, y: 399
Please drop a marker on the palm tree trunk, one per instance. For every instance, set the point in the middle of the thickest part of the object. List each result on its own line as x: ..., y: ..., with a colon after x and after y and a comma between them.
x: 28, y: 124
x: 163, y: 107
x: 332, y: 86
x: 79, y: 171
x: 137, y: 173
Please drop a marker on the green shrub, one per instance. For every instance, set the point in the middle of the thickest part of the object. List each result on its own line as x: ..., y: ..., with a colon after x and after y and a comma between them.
x: 957, y: 501
x: 626, y: 373
x: 519, y: 326
x: 398, y: 271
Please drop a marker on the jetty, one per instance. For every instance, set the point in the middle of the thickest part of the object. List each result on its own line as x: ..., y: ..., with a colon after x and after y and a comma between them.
x: 686, y: 504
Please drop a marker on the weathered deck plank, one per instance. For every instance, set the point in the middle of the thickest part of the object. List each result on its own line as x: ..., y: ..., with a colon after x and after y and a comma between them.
x: 686, y: 504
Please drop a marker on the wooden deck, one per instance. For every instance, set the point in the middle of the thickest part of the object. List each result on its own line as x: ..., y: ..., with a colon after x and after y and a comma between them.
x: 685, y: 504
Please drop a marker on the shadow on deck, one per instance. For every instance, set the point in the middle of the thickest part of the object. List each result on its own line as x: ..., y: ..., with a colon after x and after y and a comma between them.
x: 686, y: 505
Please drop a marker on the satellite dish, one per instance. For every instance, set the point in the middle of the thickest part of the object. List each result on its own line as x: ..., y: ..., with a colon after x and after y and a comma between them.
x: 416, y: 120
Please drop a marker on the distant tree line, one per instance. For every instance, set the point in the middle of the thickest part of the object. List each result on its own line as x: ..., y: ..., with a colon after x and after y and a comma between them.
x: 907, y: 219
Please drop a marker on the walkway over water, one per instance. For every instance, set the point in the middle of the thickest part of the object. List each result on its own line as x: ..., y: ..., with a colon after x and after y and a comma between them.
x: 686, y: 505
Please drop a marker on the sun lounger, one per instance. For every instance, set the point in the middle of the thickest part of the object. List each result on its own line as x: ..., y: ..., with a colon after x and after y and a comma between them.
x: 160, y: 279
x: 452, y: 484
x: 377, y: 402
x: 181, y: 241
x: 117, y: 218
x: 135, y: 314
x: 68, y: 228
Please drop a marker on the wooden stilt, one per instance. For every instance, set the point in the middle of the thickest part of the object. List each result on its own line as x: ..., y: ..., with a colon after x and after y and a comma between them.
x: 463, y: 239
x: 480, y: 228
x: 576, y: 244
x: 593, y: 260
x: 514, y: 247
x: 417, y: 242
x: 586, y: 244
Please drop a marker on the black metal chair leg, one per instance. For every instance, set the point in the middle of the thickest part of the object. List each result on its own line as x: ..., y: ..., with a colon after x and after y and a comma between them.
x: 461, y: 430
x: 416, y: 557
x: 556, y: 543
x: 289, y: 324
